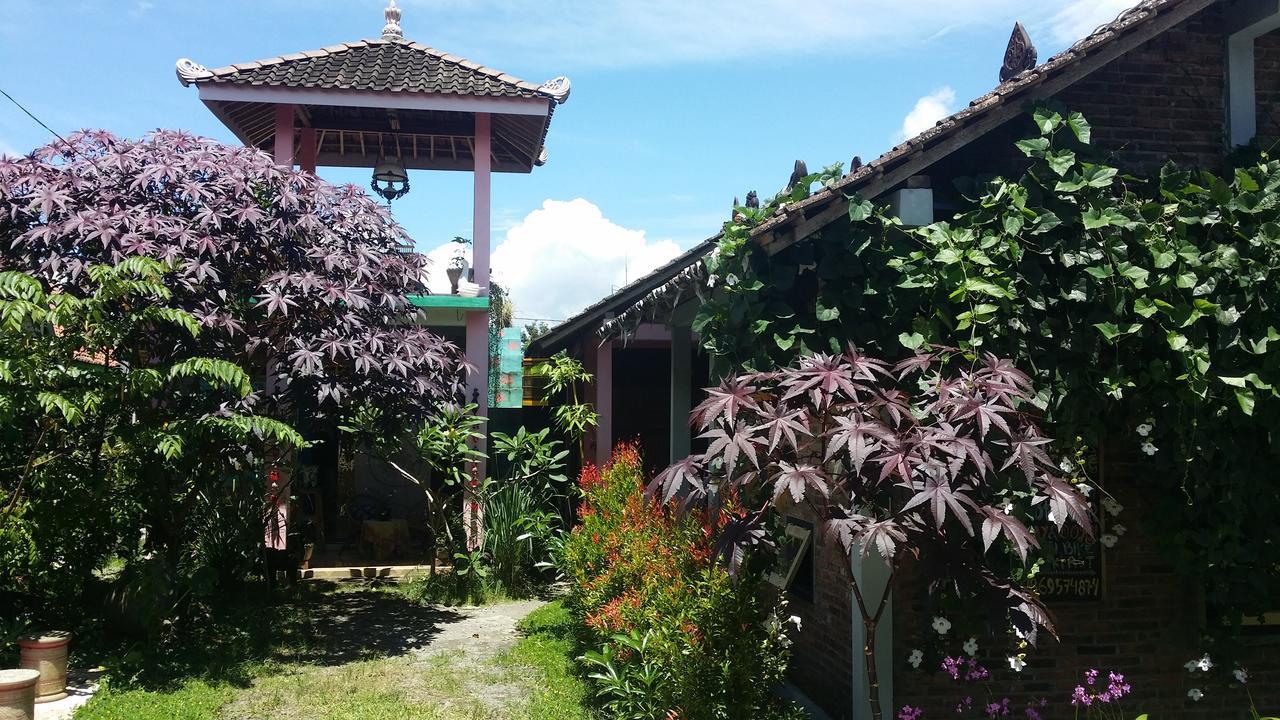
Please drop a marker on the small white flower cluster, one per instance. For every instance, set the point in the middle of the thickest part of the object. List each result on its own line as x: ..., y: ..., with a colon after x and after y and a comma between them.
x: 1204, y: 664
x: 941, y: 625
x: 915, y: 658
x: 1145, y: 430
x: 1112, y: 507
x: 1241, y: 676
x: 1108, y: 540
x: 1017, y: 662
x: 971, y: 646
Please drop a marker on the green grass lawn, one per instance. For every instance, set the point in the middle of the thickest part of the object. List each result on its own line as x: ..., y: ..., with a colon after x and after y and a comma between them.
x: 307, y: 668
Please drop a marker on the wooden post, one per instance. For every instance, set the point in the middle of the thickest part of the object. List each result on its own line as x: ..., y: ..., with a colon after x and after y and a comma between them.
x: 681, y: 390
x: 604, y: 401
x: 307, y: 149
x: 283, y: 149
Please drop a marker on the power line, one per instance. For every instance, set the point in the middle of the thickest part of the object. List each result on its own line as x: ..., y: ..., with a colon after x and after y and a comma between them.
x: 41, y: 123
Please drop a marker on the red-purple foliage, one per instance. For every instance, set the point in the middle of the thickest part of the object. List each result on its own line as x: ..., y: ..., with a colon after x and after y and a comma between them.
x: 903, y: 459
x: 281, y: 268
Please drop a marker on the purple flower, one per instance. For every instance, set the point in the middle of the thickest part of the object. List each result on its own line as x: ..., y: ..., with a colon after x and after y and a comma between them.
x: 1091, y: 676
x: 910, y: 713
x: 998, y: 709
x: 1033, y: 712
x: 951, y: 666
x: 1081, y: 697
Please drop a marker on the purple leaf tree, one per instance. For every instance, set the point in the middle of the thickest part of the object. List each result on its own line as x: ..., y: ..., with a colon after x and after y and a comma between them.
x: 303, y: 281
x: 914, y: 459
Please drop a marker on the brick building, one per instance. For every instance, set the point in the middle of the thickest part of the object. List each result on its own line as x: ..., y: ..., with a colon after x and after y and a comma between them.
x: 1181, y: 80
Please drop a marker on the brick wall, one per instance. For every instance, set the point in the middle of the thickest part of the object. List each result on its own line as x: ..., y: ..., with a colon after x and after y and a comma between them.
x: 822, y: 656
x: 1146, y: 625
x: 1266, y: 68
x: 1164, y: 100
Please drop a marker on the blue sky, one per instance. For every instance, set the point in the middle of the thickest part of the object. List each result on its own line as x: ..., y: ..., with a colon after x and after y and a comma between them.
x: 677, y: 106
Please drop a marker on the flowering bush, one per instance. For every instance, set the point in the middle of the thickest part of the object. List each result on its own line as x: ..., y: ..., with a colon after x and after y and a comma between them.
x: 660, y: 614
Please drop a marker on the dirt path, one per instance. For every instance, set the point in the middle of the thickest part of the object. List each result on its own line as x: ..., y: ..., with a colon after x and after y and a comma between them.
x: 371, y: 651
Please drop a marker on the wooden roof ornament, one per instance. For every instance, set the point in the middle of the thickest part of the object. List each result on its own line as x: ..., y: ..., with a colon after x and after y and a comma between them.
x: 1020, y: 56
x: 797, y: 174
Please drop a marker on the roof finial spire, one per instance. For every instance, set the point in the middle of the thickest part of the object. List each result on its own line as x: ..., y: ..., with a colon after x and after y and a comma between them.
x: 392, y: 31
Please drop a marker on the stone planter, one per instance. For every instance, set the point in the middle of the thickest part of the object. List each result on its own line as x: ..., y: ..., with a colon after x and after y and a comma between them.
x: 18, y: 694
x: 47, y: 653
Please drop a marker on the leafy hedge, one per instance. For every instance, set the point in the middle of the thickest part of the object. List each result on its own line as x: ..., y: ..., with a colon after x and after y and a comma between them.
x: 672, y: 635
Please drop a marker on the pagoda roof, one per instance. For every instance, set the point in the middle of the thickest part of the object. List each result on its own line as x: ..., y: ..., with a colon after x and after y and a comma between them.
x: 365, y: 100
x: 383, y: 65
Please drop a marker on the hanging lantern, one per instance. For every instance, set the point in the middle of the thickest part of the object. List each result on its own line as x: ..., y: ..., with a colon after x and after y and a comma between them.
x: 390, y: 179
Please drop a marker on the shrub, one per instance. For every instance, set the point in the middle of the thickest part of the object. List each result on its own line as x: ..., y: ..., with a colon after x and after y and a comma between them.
x: 671, y: 633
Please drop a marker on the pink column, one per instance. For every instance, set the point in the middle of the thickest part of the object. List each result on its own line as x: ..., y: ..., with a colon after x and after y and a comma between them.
x: 307, y: 149
x: 604, y: 401
x: 477, y: 392
x: 480, y: 214
x: 283, y: 150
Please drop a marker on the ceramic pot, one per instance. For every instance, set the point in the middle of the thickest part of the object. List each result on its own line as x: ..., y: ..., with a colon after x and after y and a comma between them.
x: 47, y: 653
x: 18, y: 694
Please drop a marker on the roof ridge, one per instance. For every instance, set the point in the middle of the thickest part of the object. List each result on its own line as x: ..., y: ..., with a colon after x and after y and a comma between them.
x: 200, y: 73
x: 1107, y: 32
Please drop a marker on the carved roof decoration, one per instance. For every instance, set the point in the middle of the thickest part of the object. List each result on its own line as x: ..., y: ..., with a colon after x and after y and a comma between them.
x: 1020, y: 55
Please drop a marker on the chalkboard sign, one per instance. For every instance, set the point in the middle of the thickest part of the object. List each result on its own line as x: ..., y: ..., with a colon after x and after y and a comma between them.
x: 1073, y: 570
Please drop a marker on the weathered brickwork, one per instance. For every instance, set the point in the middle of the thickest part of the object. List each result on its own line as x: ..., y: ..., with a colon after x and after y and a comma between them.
x: 822, y: 659
x: 1163, y: 101
x: 1147, y: 625
x: 1266, y: 66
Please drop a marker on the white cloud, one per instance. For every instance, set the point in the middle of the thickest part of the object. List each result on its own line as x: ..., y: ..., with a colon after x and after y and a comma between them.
x: 928, y: 110
x: 566, y: 36
x: 567, y: 255
x: 1081, y: 17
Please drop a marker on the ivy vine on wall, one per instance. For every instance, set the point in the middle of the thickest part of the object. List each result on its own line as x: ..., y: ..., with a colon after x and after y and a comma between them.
x: 1145, y: 308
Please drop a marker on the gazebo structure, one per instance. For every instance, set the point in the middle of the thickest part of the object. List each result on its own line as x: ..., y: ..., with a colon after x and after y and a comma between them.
x: 393, y: 105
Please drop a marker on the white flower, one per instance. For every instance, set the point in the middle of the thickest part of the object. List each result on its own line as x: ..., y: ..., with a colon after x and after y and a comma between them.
x: 1109, y: 540
x: 1008, y: 508
x: 971, y: 646
x: 1017, y: 662
x: 1191, y: 665
x: 1085, y: 489
x: 915, y: 658
x: 1112, y: 507
x: 1119, y: 530
x: 941, y: 625
x: 1052, y: 519
x: 1195, y: 694
x: 795, y: 620
x: 1205, y: 664
x: 1144, y: 429
x: 1149, y: 449
x: 1242, y: 677
x: 1066, y: 465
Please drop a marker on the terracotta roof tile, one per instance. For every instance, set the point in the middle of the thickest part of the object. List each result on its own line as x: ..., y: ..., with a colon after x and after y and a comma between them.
x: 377, y: 65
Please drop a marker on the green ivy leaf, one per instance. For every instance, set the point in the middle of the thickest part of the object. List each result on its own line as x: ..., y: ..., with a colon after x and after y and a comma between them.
x: 1080, y: 127
x: 1034, y: 147
x: 1246, y: 400
x: 1061, y: 162
x: 1047, y: 120
x: 860, y: 209
x: 1144, y: 307
x: 911, y: 341
x: 1177, y: 341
